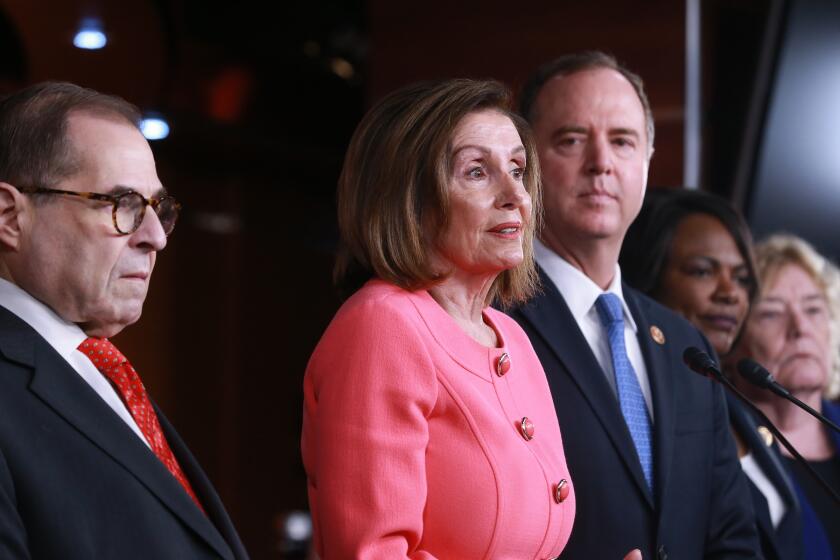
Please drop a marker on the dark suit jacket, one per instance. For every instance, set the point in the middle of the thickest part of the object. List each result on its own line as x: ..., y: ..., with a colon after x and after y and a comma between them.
x: 815, y: 529
x: 701, y: 507
x: 77, y: 483
x: 785, y: 541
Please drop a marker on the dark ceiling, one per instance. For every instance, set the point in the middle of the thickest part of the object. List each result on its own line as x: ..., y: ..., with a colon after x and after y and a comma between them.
x: 251, y: 77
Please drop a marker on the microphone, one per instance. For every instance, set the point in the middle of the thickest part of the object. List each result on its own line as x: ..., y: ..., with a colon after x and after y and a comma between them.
x: 700, y: 362
x: 758, y: 375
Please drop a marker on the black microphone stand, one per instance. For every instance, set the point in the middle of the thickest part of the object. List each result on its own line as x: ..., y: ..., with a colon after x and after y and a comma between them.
x: 814, y: 413
x: 756, y: 374
x: 703, y: 364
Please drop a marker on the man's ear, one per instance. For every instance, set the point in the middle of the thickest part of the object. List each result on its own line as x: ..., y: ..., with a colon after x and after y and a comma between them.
x: 12, y: 204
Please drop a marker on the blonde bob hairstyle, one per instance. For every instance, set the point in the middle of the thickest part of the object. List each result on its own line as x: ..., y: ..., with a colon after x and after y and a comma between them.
x: 392, y: 193
x: 778, y: 251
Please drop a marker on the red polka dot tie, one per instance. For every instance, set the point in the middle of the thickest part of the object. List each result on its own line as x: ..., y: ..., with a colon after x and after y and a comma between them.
x: 116, y: 368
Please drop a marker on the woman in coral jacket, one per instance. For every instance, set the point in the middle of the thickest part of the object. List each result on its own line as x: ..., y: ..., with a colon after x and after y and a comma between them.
x: 429, y: 430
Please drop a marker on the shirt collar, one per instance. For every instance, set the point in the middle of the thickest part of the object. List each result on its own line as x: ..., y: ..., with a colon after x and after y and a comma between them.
x: 64, y: 336
x: 579, y: 291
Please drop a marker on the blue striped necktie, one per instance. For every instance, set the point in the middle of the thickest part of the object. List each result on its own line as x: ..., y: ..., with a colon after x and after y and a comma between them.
x: 630, y: 396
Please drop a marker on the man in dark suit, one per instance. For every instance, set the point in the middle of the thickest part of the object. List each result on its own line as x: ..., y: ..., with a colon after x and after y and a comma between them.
x: 89, y: 468
x: 647, y: 440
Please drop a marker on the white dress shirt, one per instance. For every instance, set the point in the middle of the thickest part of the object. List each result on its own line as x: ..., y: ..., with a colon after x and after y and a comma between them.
x: 65, y: 338
x: 580, y: 293
x: 775, y: 504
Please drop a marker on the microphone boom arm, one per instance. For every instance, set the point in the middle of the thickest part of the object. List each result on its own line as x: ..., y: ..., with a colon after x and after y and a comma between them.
x: 821, y: 417
x: 758, y: 375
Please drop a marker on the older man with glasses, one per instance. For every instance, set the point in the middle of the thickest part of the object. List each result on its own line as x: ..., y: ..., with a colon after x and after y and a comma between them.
x: 89, y: 467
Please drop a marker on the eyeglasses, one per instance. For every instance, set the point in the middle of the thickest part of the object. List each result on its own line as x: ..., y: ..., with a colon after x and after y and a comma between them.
x: 129, y: 208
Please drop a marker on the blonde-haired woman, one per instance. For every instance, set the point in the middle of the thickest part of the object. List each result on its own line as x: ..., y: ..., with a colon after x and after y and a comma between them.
x: 794, y: 331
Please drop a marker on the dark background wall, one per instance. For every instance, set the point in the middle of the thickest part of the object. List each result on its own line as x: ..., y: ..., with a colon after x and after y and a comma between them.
x: 262, y: 99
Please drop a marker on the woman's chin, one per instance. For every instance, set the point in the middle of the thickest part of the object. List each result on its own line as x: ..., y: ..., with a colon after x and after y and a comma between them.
x: 720, y: 341
x: 509, y: 261
x: 802, y: 376
x: 483, y: 267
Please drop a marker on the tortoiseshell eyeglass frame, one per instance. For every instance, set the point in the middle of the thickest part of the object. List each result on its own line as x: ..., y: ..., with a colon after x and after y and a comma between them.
x: 114, y: 200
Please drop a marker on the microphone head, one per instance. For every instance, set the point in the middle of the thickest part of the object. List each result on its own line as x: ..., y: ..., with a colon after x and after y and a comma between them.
x: 700, y: 362
x: 755, y: 373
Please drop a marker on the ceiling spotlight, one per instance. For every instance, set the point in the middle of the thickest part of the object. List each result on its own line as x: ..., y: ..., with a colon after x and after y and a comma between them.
x: 342, y: 68
x: 90, y: 35
x: 154, y: 127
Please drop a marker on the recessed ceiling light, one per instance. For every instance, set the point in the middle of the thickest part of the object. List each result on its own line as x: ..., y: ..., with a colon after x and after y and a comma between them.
x: 90, y: 35
x: 154, y: 127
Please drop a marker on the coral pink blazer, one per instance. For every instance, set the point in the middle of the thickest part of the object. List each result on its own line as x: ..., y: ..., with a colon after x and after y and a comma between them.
x: 414, y: 444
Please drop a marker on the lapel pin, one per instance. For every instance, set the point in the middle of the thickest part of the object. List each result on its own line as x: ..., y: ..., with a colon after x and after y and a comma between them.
x: 766, y: 435
x: 657, y: 335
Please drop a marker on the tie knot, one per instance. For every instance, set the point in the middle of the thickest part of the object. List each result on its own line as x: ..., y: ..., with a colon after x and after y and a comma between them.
x: 101, y: 352
x: 609, y: 309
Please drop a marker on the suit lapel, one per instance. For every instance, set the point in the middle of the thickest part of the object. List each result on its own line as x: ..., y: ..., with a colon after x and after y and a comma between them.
x: 659, y: 360
x: 745, y: 425
x: 61, y: 388
x: 767, y: 457
x: 553, y: 320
